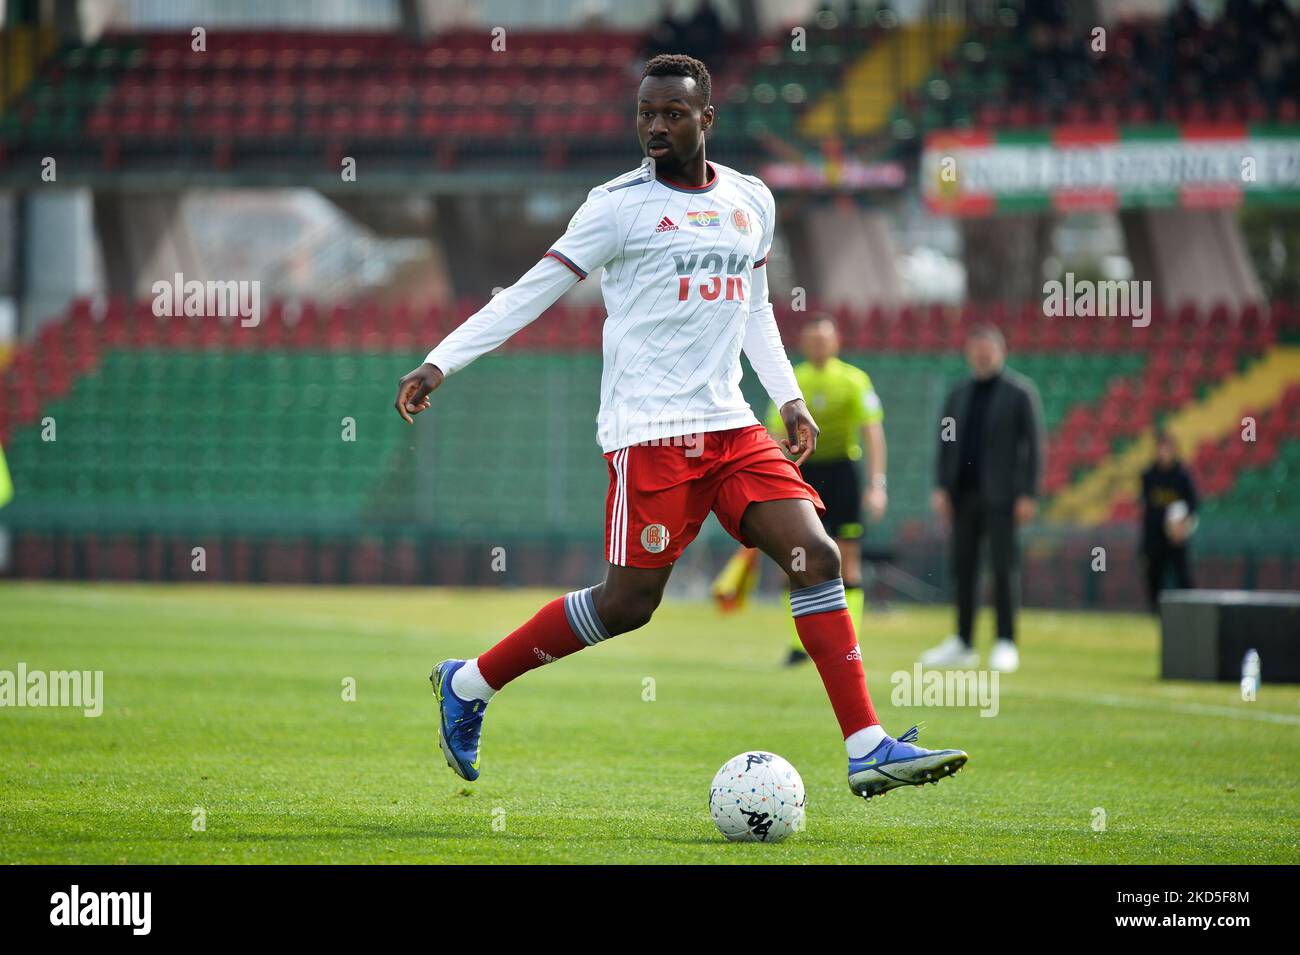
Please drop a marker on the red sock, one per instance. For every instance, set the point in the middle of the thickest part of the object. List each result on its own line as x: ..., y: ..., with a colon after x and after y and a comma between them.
x: 543, y: 639
x: 828, y: 637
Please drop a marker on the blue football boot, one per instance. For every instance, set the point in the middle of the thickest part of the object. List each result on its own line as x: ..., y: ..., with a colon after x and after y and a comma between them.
x: 899, y: 762
x: 459, y: 721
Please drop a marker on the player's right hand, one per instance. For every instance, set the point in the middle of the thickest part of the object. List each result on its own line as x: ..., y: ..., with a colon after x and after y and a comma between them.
x: 413, y: 390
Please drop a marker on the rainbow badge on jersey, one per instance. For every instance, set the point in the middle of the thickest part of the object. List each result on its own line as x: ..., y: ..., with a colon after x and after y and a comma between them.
x: 709, y: 219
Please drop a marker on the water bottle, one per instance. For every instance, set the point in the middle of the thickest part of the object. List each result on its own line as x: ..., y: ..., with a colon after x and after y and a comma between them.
x: 1250, y: 675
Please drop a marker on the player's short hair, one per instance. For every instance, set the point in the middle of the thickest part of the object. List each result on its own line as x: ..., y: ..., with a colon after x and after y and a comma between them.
x: 679, y: 64
x: 989, y: 331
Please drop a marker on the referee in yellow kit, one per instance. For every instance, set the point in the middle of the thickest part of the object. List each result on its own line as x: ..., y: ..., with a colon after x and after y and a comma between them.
x: 848, y: 412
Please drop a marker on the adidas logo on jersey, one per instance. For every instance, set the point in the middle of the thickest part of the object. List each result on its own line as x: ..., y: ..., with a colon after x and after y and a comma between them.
x: 665, y: 225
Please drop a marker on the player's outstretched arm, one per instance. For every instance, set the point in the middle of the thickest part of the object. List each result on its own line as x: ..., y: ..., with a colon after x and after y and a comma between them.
x: 509, y: 311
x: 589, y: 242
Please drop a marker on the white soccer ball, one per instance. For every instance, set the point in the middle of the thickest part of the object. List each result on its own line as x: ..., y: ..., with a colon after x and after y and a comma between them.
x: 757, y: 797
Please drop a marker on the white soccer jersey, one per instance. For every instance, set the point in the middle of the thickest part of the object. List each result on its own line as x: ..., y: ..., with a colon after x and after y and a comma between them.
x: 685, y: 291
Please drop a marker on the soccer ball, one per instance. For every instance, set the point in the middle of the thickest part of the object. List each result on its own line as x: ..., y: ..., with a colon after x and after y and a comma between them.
x: 757, y: 797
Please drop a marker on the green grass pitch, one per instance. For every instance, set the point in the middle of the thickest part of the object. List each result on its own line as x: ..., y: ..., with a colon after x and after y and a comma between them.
x: 230, y: 700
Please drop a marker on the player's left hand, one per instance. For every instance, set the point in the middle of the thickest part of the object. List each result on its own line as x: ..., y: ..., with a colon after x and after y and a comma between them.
x: 1026, y: 508
x: 802, y: 431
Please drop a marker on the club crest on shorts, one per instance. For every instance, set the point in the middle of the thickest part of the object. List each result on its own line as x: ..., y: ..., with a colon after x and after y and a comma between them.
x: 654, y: 538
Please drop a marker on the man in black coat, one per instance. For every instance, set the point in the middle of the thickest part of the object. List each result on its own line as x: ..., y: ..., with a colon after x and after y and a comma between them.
x: 987, y: 479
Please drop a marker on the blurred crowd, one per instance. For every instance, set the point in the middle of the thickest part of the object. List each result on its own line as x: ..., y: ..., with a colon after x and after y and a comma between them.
x: 1251, y: 52
x: 701, y: 35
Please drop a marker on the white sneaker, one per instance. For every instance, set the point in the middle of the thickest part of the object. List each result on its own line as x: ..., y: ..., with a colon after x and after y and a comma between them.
x: 1004, y: 658
x: 953, y: 654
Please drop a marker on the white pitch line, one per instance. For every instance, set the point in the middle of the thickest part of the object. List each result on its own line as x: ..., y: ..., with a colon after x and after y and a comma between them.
x: 180, y: 606
x: 1168, y: 706
x: 196, y: 609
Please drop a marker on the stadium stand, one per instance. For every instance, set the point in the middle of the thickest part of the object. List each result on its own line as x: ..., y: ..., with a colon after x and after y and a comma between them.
x: 202, y: 426
x: 1238, y: 68
x: 262, y: 97
x: 266, y: 98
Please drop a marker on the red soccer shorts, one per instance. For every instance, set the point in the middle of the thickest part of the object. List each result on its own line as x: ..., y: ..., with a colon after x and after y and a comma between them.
x: 661, y: 492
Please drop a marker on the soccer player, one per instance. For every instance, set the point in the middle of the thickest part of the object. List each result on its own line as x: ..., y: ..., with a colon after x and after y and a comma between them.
x: 850, y: 415
x: 683, y: 243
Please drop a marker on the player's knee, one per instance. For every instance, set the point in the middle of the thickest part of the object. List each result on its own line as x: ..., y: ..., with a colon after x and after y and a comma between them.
x: 821, y: 562
x: 622, y: 613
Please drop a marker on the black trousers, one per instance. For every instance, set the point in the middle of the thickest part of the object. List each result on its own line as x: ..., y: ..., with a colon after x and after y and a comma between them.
x: 972, y: 523
x: 1161, y: 557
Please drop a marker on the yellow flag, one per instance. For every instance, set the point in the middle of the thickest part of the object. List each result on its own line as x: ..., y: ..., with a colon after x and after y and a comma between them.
x: 6, y: 485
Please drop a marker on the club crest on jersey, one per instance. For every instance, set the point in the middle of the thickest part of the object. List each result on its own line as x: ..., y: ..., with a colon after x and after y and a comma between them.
x: 654, y: 538
x: 740, y: 220
x: 708, y: 219
x: 665, y: 225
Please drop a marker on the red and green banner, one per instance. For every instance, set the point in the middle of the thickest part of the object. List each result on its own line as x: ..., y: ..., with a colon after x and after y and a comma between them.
x: 1087, y: 168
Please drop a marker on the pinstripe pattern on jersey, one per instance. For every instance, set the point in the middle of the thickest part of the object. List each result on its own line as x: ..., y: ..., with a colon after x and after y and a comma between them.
x: 624, y: 366
x: 740, y: 330
x: 671, y: 360
x: 640, y: 259
x: 684, y: 322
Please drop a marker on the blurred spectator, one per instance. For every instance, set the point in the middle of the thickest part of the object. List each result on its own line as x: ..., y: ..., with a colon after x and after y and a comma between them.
x: 1243, y: 63
x: 988, y: 475
x: 666, y: 35
x: 1168, y: 518
x: 704, y: 36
